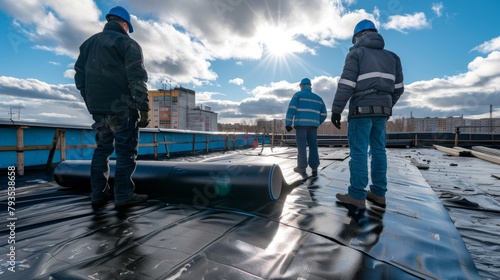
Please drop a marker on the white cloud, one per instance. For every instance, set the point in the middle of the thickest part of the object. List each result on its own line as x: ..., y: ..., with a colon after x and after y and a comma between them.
x: 33, y: 88
x: 57, y: 115
x: 401, y: 23
x: 181, y: 44
x: 54, y: 26
x: 438, y: 8
x: 489, y: 46
x: 236, y: 81
x: 468, y: 93
x: 171, y: 53
x: 207, y: 95
x: 269, y: 101
x: 46, y: 110
x: 70, y: 74
x: 350, y: 2
x: 237, y: 29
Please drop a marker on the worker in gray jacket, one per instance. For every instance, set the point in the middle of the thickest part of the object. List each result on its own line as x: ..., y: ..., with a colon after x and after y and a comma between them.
x: 372, y: 82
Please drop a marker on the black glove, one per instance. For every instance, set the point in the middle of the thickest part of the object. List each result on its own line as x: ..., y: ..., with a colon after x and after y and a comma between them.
x: 336, y: 120
x: 143, y: 119
x: 289, y: 128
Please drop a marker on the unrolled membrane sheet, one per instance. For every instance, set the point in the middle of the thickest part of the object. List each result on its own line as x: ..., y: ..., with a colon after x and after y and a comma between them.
x: 199, y: 181
x: 305, y: 234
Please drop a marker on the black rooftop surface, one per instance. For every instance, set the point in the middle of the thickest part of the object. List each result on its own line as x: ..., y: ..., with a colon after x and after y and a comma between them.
x: 306, y: 234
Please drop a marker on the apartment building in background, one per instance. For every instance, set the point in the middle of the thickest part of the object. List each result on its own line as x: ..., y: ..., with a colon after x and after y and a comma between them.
x: 176, y: 109
x: 450, y: 124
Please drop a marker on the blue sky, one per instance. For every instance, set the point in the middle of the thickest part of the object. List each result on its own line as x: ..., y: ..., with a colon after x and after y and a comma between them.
x: 245, y: 58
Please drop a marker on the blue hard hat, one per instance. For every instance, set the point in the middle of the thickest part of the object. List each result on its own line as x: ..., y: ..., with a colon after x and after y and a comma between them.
x: 305, y: 81
x: 122, y: 13
x: 362, y: 26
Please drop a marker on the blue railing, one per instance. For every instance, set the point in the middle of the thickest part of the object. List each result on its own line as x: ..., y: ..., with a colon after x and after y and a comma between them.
x: 24, y: 144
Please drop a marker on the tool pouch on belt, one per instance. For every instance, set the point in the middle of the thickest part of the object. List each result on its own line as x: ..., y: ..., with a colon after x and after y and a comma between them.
x: 373, y: 110
x: 368, y: 110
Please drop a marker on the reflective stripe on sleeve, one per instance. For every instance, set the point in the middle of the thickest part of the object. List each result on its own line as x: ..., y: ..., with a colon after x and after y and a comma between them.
x: 307, y: 121
x: 309, y: 110
x: 310, y: 100
x: 347, y: 83
x: 376, y: 75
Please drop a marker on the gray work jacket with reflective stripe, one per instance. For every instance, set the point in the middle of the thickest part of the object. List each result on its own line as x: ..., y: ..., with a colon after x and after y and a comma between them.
x: 372, y: 76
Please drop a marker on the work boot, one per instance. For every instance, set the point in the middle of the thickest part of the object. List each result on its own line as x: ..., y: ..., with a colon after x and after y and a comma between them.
x: 378, y: 200
x: 299, y: 170
x: 135, y: 200
x: 347, y: 199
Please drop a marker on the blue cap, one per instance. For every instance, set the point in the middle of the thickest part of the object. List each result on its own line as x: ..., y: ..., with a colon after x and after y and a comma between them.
x: 362, y: 26
x: 305, y: 81
x: 122, y: 13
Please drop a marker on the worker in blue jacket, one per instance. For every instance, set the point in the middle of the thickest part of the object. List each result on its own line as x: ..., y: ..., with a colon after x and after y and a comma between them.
x: 372, y: 82
x: 306, y: 112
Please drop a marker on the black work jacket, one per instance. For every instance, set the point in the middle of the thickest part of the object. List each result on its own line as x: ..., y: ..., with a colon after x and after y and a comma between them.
x: 110, y: 73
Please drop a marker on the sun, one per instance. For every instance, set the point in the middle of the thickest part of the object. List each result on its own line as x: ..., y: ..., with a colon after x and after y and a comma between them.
x: 279, y: 43
x: 281, y: 51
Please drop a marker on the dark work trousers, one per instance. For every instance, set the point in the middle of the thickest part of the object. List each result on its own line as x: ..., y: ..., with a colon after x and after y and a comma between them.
x: 307, y: 136
x: 118, y: 132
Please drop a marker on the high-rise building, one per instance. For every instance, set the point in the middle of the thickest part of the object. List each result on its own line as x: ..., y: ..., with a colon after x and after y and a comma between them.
x: 176, y: 108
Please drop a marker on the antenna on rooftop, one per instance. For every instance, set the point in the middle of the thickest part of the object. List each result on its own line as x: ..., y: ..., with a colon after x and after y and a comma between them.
x: 12, y: 113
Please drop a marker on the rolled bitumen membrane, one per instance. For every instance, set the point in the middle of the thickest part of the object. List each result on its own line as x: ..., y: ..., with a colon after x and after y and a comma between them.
x: 186, y: 180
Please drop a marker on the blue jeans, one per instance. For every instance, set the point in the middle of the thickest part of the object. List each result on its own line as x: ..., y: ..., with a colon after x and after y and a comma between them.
x: 112, y: 131
x: 307, y: 136
x: 361, y: 133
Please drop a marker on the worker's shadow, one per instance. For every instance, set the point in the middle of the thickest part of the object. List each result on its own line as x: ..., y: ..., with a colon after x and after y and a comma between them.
x: 365, y: 225
x: 364, y: 228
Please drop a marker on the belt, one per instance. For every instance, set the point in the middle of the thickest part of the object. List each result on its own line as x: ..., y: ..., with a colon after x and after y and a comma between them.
x: 373, y: 110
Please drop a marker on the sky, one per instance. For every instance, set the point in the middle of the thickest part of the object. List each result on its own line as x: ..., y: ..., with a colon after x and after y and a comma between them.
x: 245, y: 58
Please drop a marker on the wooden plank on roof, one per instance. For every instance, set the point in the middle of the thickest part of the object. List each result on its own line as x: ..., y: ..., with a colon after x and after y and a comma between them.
x: 490, y: 158
x: 450, y: 151
x: 486, y: 150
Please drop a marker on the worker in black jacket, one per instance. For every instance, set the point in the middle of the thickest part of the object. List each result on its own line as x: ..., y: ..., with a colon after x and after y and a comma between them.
x: 372, y: 82
x: 111, y: 77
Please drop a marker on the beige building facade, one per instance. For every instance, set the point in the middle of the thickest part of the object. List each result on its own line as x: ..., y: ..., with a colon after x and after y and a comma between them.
x: 176, y: 109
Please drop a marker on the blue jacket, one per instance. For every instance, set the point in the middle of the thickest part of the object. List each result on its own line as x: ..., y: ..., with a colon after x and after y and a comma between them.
x: 372, y: 78
x: 305, y: 109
